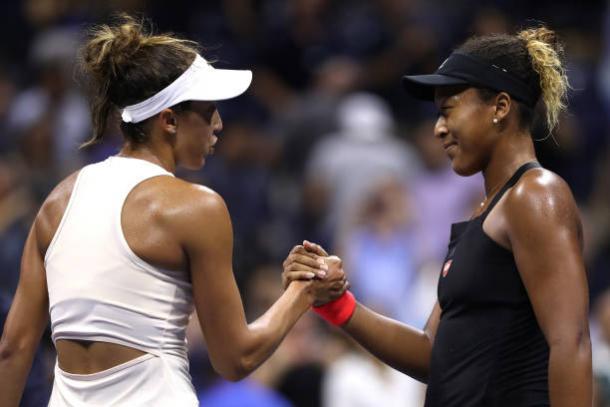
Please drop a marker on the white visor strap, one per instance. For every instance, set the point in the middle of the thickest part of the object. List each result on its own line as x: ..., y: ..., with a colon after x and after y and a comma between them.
x: 171, y: 95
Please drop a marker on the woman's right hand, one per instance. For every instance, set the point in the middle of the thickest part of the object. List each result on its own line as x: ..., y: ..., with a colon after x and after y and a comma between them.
x: 302, y: 265
x: 311, y: 262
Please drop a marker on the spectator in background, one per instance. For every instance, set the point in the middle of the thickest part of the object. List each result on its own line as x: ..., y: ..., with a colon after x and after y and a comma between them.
x: 245, y: 393
x: 490, y: 20
x: 7, y: 93
x: 304, y: 122
x: 50, y: 119
x: 298, y: 127
x: 601, y: 351
x: 379, y: 249
x: 307, y: 56
x: 357, y: 378
x: 38, y: 386
x: 344, y: 167
x: 433, y: 187
x: 603, y: 72
x: 17, y: 209
x: 296, y: 39
x: 596, y: 224
x: 582, y: 137
x: 293, y: 374
x: 240, y: 173
x: 296, y: 369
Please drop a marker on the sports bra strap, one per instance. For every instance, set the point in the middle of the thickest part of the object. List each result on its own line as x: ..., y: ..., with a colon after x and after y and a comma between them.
x: 509, y: 184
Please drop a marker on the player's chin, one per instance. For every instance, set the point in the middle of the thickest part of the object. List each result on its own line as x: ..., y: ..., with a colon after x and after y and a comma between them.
x: 463, y: 167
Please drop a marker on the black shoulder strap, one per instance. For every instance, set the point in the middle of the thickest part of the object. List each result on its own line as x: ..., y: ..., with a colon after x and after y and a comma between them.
x: 509, y: 184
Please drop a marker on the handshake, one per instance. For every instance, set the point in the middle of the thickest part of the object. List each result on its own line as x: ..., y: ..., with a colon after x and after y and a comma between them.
x: 310, y: 264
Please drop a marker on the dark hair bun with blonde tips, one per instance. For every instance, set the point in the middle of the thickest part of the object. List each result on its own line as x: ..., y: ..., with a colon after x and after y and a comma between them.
x: 546, y: 54
x: 535, y: 56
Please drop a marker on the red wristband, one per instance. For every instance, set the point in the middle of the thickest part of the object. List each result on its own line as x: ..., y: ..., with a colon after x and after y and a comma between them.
x: 339, y: 311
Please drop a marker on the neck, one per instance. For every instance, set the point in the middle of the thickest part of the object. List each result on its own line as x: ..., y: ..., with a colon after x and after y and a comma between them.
x: 149, y: 152
x: 510, y: 154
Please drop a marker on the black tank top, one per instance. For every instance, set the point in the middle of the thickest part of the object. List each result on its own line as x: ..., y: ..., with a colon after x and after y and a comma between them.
x: 488, y: 349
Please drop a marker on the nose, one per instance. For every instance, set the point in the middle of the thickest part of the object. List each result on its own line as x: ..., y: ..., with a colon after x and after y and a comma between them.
x: 440, y: 128
x: 216, y: 122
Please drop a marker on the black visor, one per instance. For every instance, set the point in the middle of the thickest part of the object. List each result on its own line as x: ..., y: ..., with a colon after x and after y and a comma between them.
x: 463, y: 69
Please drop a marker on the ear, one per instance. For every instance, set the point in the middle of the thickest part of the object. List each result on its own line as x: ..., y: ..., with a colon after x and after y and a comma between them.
x: 168, y: 121
x: 503, y: 106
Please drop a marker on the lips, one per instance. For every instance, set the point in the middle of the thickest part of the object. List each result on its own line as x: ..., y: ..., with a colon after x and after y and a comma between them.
x: 448, y: 145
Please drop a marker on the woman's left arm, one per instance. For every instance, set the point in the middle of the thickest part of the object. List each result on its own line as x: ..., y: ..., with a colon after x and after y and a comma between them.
x: 24, y: 324
x: 545, y: 234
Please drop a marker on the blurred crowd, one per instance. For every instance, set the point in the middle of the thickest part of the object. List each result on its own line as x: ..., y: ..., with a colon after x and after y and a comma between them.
x: 325, y: 146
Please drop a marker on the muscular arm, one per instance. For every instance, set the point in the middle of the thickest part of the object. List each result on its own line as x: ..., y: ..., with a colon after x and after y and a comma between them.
x: 404, y: 348
x: 546, y: 239
x: 29, y: 313
x: 235, y: 347
x: 25, y: 323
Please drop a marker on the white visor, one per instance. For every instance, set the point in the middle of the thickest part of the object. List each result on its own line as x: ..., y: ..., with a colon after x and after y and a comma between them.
x: 201, y: 81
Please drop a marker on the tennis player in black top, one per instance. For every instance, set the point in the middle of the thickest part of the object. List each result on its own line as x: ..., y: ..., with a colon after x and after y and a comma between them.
x: 510, y: 326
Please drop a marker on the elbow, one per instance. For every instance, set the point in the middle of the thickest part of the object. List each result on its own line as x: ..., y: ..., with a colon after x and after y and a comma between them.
x: 236, y: 361
x: 5, y: 353
x: 15, y: 345
x: 236, y: 369
x: 8, y: 349
x: 234, y: 373
x: 578, y: 342
x: 231, y: 375
x: 245, y: 366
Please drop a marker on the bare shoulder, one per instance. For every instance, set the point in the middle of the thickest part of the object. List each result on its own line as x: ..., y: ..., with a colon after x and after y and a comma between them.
x: 183, y: 206
x: 50, y: 213
x: 60, y: 195
x: 541, y: 189
x: 181, y: 197
x: 542, y: 198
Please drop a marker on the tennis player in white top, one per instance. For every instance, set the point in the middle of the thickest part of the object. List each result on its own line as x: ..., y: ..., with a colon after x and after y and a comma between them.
x: 122, y: 251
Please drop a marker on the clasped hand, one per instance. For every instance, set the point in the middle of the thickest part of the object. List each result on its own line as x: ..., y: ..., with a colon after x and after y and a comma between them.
x: 310, y: 262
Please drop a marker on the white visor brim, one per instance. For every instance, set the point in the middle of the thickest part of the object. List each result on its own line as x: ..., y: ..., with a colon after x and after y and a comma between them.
x: 220, y: 84
x: 201, y: 82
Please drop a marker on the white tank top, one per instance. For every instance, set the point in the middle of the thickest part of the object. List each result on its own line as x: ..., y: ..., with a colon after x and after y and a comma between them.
x: 99, y: 290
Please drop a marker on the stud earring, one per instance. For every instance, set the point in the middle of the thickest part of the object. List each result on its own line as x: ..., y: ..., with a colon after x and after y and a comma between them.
x: 495, y: 120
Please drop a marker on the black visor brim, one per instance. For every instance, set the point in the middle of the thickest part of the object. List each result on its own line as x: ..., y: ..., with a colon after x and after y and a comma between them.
x: 422, y: 86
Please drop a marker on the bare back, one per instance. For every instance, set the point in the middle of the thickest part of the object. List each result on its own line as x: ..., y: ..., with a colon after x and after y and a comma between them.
x: 146, y: 235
